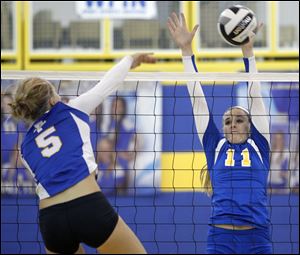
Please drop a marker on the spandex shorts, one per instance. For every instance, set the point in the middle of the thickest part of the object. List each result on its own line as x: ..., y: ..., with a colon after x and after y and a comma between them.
x: 89, y: 219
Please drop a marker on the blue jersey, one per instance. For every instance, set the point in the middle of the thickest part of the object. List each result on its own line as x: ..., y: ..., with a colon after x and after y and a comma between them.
x: 238, y: 175
x: 125, y: 133
x: 57, y: 150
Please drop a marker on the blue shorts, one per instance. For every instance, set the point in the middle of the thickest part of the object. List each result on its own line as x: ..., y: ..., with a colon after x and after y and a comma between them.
x: 252, y: 241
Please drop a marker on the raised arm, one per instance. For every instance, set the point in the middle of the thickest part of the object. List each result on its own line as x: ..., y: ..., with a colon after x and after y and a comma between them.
x: 183, y: 38
x: 258, y: 113
x: 111, y: 81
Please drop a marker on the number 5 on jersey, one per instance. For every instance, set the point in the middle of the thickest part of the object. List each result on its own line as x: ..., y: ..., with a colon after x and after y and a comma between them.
x: 50, y: 145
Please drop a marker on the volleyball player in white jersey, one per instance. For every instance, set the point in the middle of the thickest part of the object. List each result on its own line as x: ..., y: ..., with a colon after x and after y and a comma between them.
x: 238, y: 161
x: 57, y: 151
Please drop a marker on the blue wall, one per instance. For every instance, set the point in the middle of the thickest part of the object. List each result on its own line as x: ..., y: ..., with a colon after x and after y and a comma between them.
x: 178, y: 122
x: 176, y: 224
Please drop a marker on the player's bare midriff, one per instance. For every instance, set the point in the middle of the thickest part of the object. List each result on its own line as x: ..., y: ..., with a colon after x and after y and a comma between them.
x: 233, y: 227
x: 82, y: 188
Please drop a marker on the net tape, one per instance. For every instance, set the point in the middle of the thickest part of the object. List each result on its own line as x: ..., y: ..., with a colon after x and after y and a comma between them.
x: 154, y: 76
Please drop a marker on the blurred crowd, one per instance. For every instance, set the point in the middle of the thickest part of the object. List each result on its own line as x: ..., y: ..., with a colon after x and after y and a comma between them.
x: 115, y: 148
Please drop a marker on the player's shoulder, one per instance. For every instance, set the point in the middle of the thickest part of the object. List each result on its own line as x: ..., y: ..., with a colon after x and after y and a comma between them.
x: 62, y: 110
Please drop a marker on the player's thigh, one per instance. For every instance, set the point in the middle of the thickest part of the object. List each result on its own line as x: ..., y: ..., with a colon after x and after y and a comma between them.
x: 122, y: 240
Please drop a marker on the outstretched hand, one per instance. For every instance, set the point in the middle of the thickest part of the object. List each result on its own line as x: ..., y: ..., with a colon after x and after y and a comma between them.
x: 140, y: 58
x: 179, y: 31
x: 248, y: 47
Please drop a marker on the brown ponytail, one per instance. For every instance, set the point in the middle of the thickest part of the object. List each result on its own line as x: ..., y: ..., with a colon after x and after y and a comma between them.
x: 32, y: 99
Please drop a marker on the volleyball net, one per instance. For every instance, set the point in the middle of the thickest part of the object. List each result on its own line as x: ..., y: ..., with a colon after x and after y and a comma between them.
x: 150, y: 157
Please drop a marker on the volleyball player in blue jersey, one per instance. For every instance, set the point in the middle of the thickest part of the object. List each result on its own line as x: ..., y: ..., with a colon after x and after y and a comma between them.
x: 238, y: 162
x: 57, y: 150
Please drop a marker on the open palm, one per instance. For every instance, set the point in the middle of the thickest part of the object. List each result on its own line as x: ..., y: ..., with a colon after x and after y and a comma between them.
x: 252, y: 36
x: 179, y: 31
x: 247, y: 48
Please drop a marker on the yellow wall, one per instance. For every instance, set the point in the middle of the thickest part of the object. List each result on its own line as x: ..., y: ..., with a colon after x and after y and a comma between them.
x: 180, y: 171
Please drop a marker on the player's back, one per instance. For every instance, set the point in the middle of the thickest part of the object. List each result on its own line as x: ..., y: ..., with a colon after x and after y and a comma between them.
x: 57, y: 149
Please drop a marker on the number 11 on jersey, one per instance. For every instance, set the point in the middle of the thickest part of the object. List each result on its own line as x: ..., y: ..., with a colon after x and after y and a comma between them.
x: 230, y: 158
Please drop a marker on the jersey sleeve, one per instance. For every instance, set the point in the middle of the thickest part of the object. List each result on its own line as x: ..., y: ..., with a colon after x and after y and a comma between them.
x: 211, y: 138
x: 258, y: 113
x: 199, y: 104
x: 262, y: 144
x: 111, y: 81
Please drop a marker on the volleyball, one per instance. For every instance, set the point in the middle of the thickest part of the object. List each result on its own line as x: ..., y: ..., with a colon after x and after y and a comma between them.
x: 235, y: 23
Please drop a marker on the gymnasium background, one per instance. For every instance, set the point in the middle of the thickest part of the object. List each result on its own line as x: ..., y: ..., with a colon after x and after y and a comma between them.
x: 172, y: 216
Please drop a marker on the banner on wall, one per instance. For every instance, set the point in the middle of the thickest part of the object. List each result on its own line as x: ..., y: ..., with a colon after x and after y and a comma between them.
x: 131, y: 127
x: 116, y: 9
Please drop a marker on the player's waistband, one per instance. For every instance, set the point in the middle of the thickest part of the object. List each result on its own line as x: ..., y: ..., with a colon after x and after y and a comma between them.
x: 72, y: 203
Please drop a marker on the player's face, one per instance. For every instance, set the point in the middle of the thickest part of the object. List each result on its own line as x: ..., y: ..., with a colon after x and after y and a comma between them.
x: 236, y: 126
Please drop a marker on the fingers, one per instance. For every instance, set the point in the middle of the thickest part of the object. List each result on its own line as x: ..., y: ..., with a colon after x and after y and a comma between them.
x: 147, y: 58
x: 183, y: 19
x: 258, y: 28
x: 251, y: 35
x: 175, y: 19
x: 171, y: 25
x: 195, y: 30
x: 144, y: 58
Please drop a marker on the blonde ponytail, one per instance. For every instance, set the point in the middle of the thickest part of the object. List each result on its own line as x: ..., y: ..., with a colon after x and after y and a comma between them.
x: 32, y: 99
x: 205, y: 181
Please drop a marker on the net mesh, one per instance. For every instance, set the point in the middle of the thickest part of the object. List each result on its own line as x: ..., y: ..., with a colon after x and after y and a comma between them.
x: 150, y: 157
